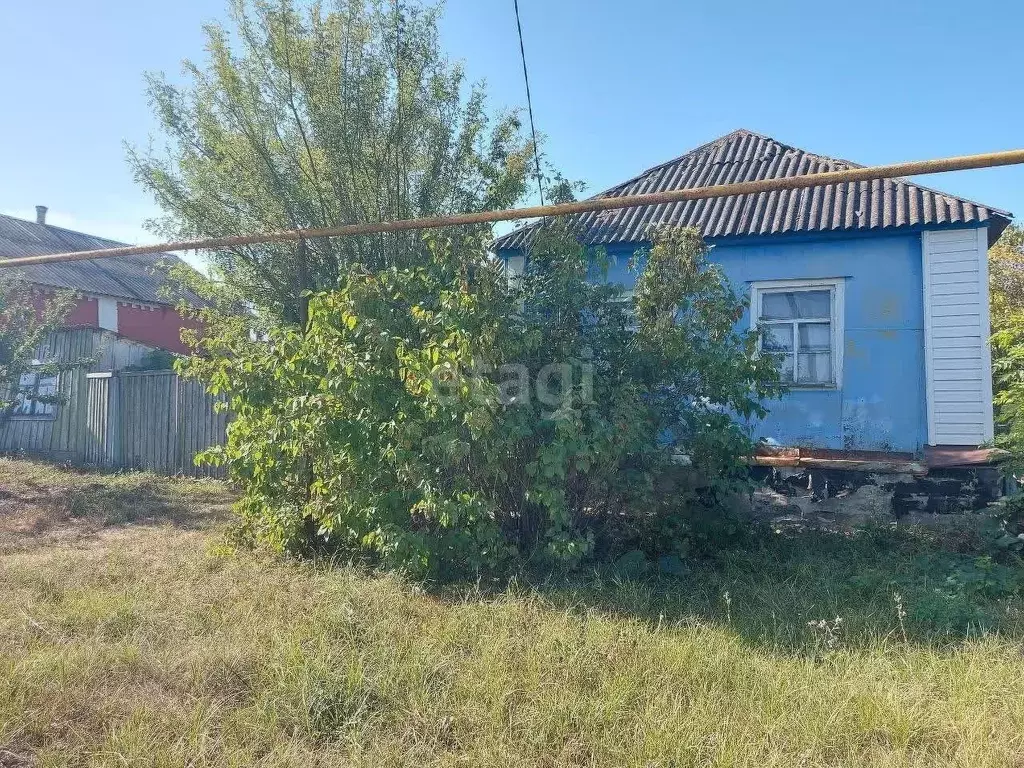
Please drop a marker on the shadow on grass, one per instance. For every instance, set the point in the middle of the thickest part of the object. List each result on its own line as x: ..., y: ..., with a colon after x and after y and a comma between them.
x: 782, y: 590
x: 42, y: 503
x: 813, y: 591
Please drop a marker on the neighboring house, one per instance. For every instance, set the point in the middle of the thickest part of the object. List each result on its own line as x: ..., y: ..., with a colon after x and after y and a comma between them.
x: 875, y: 293
x: 122, y: 295
x: 120, y: 319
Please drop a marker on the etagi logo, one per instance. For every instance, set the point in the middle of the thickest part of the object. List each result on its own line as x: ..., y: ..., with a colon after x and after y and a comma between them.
x: 555, y: 386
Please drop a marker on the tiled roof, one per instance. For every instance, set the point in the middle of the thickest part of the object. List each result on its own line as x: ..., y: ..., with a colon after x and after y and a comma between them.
x: 882, y: 204
x: 133, y: 277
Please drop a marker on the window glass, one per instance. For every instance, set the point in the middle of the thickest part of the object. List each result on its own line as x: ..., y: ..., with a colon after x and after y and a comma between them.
x: 625, y: 301
x: 46, y: 387
x: 814, y: 368
x: 791, y: 305
x: 786, y: 368
x: 796, y: 325
x: 777, y: 338
x: 815, y: 336
x: 515, y: 265
x: 33, y: 391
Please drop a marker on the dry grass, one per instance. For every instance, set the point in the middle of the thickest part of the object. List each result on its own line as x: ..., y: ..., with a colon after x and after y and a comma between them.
x: 157, y: 644
x: 42, y: 505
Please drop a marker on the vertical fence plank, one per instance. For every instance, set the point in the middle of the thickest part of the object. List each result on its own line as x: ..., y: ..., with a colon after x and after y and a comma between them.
x: 166, y: 421
x: 97, y: 417
x: 151, y: 420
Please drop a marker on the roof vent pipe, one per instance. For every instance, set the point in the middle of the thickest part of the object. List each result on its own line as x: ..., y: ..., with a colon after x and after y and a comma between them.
x: 41, y: 214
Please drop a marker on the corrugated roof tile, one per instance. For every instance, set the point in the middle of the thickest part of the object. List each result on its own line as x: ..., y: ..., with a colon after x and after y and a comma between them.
x: 137, y: 278
x: 747, y: 156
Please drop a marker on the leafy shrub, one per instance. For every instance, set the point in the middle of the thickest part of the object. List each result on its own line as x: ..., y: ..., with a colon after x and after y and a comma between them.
x: 1006, y: 286
x: 1006, y: 528
x: 1008, y: 367
x: 154, y: 360
x: 445, y: 420
x: 943, y: 592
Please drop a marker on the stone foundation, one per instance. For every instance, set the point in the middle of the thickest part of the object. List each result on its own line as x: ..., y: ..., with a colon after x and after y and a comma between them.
x: 857, y: 496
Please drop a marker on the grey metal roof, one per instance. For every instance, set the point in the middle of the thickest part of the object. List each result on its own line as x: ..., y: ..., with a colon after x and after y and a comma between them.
x: 882, y: 204
x: 135, y: 278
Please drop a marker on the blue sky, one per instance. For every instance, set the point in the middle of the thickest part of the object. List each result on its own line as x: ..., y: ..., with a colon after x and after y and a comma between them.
x: 617, y: 87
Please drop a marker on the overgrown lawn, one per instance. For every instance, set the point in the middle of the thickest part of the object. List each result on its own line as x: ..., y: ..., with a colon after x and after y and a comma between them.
x: 141, y: 637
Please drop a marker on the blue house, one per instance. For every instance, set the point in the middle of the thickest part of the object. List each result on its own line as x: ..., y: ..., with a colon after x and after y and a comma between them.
x: 875, y: 293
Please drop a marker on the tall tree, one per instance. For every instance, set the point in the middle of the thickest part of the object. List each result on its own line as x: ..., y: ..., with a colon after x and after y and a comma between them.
x: 303, y: 116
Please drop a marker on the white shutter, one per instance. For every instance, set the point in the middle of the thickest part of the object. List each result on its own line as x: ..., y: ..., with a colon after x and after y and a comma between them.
x: 515, y: 266
x: 107, y: 313
x: 956, y: 329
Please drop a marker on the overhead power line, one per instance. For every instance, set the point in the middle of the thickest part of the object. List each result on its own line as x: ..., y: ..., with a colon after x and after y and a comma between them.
x: 920, y: 167
x: 529, y: 104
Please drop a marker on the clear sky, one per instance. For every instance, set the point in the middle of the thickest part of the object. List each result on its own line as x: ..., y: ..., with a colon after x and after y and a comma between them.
x: 617, y: 87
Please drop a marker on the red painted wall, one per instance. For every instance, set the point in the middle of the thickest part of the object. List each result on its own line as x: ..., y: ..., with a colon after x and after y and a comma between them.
x: 85, y: 313
x: 160, y: 326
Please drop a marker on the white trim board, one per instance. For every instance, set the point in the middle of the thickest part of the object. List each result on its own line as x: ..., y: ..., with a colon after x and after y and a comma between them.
x: 958, y: 361
x: 106, y: 313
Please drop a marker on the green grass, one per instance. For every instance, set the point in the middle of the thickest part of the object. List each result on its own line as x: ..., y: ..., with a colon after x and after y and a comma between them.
x: 131, y: 638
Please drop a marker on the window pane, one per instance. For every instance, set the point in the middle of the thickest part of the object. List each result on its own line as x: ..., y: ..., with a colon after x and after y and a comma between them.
x: 777, y: 338
x: 814, y: 368
x: 815, y: 337
x: 786, y: 367
x: 47, y: 385
x: 47, y: 388
x: 26, y: 388
x: 515, y: 265
x: 792, y: 305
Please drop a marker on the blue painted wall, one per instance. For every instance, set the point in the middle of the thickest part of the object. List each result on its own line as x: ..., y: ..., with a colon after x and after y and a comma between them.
x: 881, y: 404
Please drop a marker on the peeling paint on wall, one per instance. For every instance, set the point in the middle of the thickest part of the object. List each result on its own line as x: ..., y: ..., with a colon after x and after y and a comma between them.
x: 881, y: 404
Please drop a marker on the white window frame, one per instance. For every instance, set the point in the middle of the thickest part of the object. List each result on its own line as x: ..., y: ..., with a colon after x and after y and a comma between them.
x: 836, y: 287
x: 625, y: 300
x: 37, y: 410
x: 515, y: 266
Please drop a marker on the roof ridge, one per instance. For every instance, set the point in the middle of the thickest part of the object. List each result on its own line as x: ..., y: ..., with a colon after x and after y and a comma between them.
x: 722, y: 140
x: 696, y: 150
x: 65, y: 229
x: 736, y: 161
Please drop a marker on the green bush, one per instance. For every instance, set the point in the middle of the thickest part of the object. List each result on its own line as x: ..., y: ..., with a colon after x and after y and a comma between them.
x: 1008, y: 366
x: 1006, y: 289
x: 448, y: 420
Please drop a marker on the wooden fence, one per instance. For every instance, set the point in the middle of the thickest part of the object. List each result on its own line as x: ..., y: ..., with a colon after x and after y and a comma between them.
x: 152, y: 420
x: 61, y: 435
x: 139, y: 420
